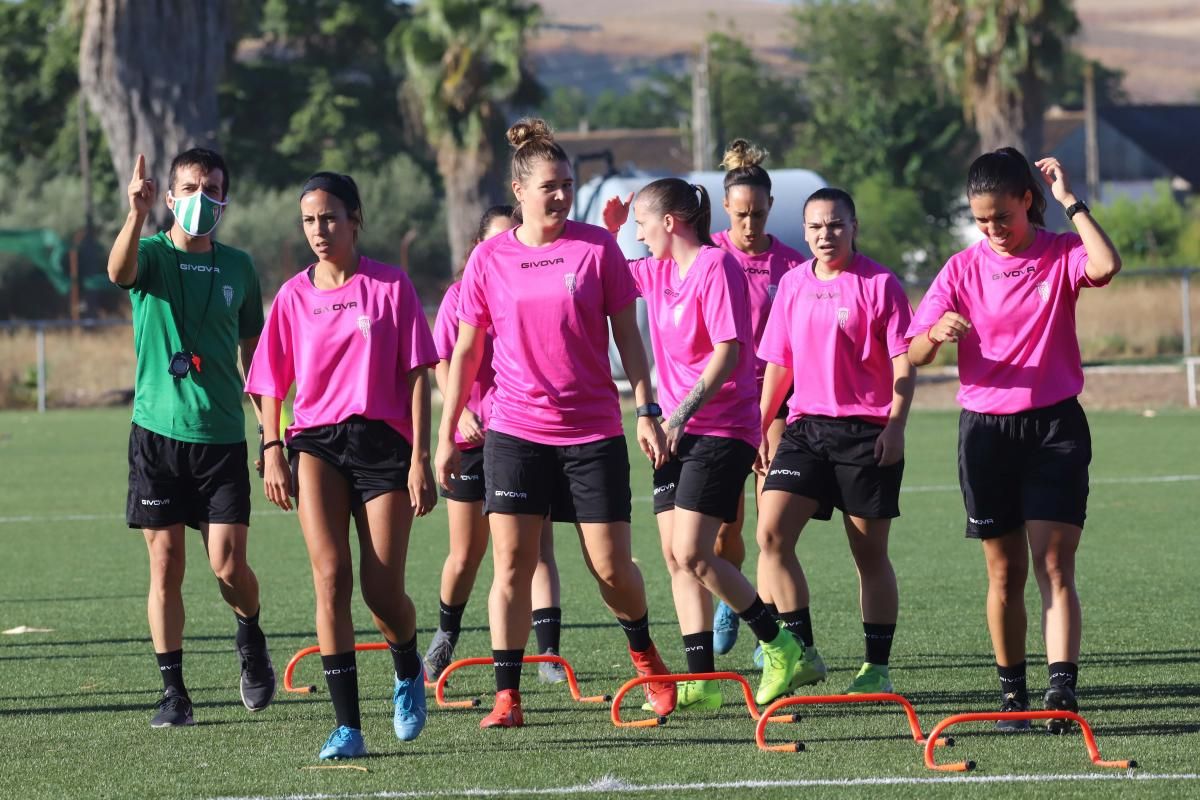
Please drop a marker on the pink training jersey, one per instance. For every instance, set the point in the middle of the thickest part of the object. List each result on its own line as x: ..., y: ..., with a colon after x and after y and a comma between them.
x: 549, y: 308
x: 839, y: 338
x: 348, y: 350
x: 1021, y: 351
x: 688, y: 316
x: 445, y: 335
x: 763, y: 273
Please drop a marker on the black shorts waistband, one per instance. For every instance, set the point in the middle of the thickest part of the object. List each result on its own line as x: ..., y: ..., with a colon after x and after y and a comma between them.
x: 1070, y: 404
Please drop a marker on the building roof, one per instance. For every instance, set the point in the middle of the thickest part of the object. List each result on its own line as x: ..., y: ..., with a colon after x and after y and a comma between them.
x: 1166, y: 132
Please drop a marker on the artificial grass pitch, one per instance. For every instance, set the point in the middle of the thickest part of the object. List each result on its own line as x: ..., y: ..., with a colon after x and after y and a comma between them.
x: 75, y: 702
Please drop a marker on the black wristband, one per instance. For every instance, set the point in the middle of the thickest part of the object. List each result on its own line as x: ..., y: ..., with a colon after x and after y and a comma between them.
x: 1076, y: 207
x: 649, y: 410
x: 269, y: 445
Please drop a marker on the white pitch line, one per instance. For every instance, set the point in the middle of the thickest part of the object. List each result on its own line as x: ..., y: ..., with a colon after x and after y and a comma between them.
x: 611, y: 785
x: 937, y: 487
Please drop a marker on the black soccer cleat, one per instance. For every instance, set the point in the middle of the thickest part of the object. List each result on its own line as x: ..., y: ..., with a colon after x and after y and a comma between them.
x: 258, y: 676
x: 1013, y: 701
x: 174, y: 710
x: 1060, y: 698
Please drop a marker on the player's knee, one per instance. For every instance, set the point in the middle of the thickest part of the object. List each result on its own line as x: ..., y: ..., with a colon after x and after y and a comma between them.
x: 333, y: 583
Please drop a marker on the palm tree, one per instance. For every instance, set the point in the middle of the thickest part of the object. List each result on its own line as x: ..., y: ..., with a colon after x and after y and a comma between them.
x: 465, y: 63
x: 998, y: 55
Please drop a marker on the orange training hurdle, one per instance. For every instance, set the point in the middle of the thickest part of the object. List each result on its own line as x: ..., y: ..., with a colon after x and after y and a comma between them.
x: 962, y: 766
x: 760, y: 737
x: 678, y: 678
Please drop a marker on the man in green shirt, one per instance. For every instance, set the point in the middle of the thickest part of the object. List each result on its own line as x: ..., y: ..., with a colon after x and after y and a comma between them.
x: 195, y: 303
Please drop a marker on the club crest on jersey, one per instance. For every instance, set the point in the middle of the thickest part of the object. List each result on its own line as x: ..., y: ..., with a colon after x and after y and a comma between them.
x: 227, y: 290
x: 843, y: 316
x: 569, y: 282
x: 1043, y: 290
x: 677, y: 314
x: 364, y: 325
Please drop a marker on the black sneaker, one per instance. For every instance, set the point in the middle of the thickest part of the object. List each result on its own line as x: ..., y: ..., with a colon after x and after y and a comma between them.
x: 1060, y: 698
x: 258, y: 676
x: 174, y: 711
x: 1013, y: 701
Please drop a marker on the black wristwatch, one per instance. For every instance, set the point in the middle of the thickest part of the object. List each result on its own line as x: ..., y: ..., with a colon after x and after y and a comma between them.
x: 649, y: 410
x: 1076, y: 207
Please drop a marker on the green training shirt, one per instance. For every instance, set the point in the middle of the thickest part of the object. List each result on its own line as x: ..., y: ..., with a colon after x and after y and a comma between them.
x: 216, y: 300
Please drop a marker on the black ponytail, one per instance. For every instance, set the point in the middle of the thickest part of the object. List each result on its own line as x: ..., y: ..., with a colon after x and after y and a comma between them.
x: 688, y: 202
x: 1007, y: 171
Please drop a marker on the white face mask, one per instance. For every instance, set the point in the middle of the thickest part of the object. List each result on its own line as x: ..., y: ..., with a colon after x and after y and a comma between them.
x: 197, y: 214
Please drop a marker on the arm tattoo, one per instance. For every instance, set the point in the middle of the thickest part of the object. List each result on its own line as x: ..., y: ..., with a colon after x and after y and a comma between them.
x: 689, y: 406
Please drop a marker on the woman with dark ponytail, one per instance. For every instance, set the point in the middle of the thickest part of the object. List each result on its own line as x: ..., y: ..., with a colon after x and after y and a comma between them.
x: 836, y: 338
x: 699, y: 310
x: 765, y: 260
x: 1008, y: 303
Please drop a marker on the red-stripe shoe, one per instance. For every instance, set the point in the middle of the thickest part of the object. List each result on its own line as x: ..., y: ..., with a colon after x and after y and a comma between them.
x: 506, y: 713
x: 661, y: 696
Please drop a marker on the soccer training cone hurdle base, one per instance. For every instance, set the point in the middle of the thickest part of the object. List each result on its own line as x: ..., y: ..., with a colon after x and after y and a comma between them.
x: 290, y: 669
x: 654, y: 722
x: 995, y: 716
x: 760, y: 733
x: 572, y: 684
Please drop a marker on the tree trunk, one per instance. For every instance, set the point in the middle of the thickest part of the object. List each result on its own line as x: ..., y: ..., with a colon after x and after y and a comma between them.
x: 470, y: 187
x: 149, y: 70
x: 1008, y: 118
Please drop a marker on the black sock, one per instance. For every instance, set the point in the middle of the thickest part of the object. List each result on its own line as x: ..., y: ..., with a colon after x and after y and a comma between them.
x: 698, y: 650
x: 637, y: 631
x: 341, y: 677
x: 1064, y: 673
x: 547, y: 626
x: 774, y: 609
x: 759, y: 620
x: 1012, y: 681
x: 405, y: 658
x: 248, y: 632
x: 507, y: 664
x: 879, y: 642
x: 799, y: 624
x: 450, y: 619
x: 170, y: 666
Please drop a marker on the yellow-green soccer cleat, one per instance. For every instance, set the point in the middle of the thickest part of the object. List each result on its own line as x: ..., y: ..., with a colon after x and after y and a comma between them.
x: 871, y: 679
x: 811, y: 668
x: 781, y: 660
x: 699, y: 696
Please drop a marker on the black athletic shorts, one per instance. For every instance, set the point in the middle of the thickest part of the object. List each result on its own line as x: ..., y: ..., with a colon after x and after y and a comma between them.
x: 569, y: 483
x: 1023, y: 466
x: 173, y: 482
x: 370, y: 454
x: 707, y: 475
x: 467, y: 485
x: 832, y: 460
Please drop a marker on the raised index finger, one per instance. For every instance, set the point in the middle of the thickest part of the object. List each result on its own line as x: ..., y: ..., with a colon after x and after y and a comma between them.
x: 139, y: 168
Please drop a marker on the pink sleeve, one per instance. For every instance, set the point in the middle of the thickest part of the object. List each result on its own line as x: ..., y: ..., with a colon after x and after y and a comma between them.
x: 775, y: 346
x: 420, y: 351
x: 472, y: 295
x: 1077, y: 261
x: 725, y: 303
x: 619, y: 287
x: 895, y: 317
x: 638, y: 268
x: 273, y: 368
x: 445, y: 327
x: 937, y: 301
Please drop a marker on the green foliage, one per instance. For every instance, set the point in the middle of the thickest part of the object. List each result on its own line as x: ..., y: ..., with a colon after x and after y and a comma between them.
x: 876, y: 121
x: 397, y: 197
x: 1064, y: 87
x: 895, y: 230
x: 39, y: 46
x: 1150, y: 231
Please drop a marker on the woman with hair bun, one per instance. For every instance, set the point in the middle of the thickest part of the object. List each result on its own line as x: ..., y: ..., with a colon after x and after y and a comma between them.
x: 549, y: 289
x: 1008, y: 303
x: 351, y: 334
x: 765, y: 260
